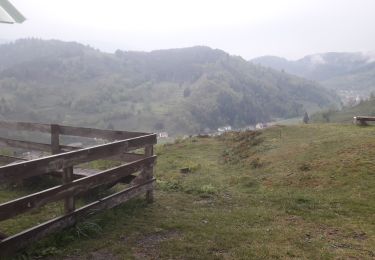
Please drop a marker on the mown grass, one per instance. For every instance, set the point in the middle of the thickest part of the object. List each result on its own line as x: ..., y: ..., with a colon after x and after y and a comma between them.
x: 310, y: 195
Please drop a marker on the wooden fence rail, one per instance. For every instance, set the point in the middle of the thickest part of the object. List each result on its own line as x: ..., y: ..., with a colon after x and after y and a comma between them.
x: 62, y: 161
x: 69, y: 130
x: 362, y: 120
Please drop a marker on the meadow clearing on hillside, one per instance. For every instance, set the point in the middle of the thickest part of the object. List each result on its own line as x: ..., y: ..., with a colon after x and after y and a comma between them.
x: 304, y: 192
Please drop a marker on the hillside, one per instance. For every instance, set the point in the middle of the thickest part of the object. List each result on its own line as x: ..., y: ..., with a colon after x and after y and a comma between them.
x: 296, y: 192
x: 365, y: 108
x: 343, y: 72
x: 361, y: 81
x: 178, y: 90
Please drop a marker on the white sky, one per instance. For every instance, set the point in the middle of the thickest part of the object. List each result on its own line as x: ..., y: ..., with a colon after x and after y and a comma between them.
x: 288, y: 28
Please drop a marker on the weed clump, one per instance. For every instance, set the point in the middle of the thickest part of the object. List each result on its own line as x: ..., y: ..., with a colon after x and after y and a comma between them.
x: 256, y: 163
x: 305, y: 167
x: 191, y: 167
x: 169, y: 185
x: 208, y: 189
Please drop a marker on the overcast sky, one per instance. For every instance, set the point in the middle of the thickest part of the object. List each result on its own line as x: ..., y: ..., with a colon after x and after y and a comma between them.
x: 288, y: 28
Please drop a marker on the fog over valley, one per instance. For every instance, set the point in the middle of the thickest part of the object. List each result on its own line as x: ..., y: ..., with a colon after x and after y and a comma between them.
x: 289, y: 28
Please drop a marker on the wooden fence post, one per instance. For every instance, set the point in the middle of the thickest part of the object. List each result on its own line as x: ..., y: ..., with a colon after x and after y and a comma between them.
x: 55, y: 139
x: 69, y: 202
x: 149, y: 172
x: 67, y: 175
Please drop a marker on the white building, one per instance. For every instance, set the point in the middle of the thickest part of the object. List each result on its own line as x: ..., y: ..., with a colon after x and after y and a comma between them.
x: 259, y: 126
x: 163, y: 135
x: 224, y: 129
x: 358, y: 100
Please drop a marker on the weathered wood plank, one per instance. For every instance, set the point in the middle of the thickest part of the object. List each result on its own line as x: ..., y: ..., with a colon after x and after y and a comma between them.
x: 36, y: 200
x: 55, y: 139
x: 362, y: 120
x: 25, y: 145
x: 69, y: 202
x: 24, y: 126
x: 2, y: 236
x: 365, y: 118
x: 60, y: 161
x: 10, y: 159
x: 16, y: 242
x: 98, y: 133
x: 33, y: 146
x: 149, y: 173
x: 71, y: 130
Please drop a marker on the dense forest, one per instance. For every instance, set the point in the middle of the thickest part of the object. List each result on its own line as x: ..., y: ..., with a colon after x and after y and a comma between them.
x: 178, y: 90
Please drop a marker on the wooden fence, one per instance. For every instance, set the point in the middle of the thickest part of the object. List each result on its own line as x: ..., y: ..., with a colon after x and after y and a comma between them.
x: 362, y: 120
x: 135, y: 168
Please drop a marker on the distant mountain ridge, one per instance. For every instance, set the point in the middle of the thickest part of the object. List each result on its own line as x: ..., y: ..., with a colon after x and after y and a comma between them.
x: 178, y: 90
x: 3, y: 41
x: 340, y: 71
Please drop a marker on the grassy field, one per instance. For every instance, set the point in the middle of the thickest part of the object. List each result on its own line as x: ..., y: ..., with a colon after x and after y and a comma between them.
x: 302, y: 192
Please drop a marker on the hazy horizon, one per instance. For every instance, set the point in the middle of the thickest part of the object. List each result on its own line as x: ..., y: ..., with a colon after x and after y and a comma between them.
x: 290, y: 29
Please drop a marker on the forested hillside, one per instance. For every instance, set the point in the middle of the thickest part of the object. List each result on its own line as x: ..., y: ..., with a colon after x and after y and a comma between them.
x: 178, y: 90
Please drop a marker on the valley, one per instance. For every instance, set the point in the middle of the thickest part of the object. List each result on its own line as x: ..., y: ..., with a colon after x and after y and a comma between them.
x: 179, y: 91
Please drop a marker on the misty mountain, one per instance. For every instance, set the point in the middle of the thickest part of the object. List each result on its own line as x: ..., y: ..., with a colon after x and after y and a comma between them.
x: 178, y: 90
x: 319, y: 67
x: 3, y: 41
x: 343, y: 72
x: 360, y: 81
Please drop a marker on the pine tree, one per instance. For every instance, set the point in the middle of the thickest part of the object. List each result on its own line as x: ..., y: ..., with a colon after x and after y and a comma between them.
x: 306, y: 118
